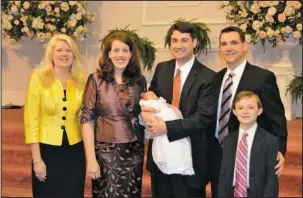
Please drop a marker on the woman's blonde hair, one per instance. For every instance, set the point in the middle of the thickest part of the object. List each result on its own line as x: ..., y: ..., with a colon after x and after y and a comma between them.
x: 46, y: 67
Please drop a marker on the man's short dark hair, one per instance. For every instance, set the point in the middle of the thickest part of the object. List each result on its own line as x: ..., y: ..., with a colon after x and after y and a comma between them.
x: 233, y: 29
x: 183, y: 27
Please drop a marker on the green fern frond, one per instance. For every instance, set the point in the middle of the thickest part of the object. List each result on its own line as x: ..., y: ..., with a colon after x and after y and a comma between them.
x: 294, y: 88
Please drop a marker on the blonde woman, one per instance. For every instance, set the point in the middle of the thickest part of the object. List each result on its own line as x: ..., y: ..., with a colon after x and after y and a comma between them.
x: 51, y: 119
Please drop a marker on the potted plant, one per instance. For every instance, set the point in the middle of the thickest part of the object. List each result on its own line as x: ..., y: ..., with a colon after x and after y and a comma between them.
x: 294, y: 88
x: 202, y: 36
x: 146, y: 48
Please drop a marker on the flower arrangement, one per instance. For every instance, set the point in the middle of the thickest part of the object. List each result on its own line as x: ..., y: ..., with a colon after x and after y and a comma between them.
x: 260, y: 20
x: 146, y: 48
x: 43, y: 19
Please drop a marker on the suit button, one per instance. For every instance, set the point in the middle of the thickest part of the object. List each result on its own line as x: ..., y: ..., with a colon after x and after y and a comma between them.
x: 64, y: 99
x: 62, y: 127
x: 64, y: 108
x: 63, y: 118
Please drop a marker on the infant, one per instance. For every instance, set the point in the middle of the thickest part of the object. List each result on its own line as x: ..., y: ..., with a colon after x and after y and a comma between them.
x: 170, y: 157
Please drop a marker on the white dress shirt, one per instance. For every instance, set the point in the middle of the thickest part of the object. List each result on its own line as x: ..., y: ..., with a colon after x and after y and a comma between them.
x: 250, y: 138
x: 236, y: 79
x: 184, y: 71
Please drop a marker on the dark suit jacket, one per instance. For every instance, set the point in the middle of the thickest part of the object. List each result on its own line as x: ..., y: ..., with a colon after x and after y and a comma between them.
x: 262, y: 178
x: 198, y: 103
x: 263, y: 83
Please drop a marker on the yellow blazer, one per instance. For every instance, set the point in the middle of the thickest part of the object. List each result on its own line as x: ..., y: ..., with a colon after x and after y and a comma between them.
x: 46, y: 113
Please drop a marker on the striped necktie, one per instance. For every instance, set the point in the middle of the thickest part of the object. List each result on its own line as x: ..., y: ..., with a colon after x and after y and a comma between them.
x: 177, y: 88
x: 241, y: 168
x: 226, y: 104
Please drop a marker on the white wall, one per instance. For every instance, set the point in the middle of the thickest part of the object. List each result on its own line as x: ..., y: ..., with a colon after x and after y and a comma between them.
x: 152, y: 19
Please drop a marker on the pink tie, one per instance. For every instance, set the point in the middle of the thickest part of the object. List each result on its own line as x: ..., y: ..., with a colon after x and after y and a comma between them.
x: 241, y: 168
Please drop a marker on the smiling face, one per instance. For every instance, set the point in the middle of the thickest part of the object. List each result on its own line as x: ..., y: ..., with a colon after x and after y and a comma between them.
x: 63, y: 56
x: 247, y: 111
x: 232, y: 49
x: 182, y: 46
x: 120, y: 55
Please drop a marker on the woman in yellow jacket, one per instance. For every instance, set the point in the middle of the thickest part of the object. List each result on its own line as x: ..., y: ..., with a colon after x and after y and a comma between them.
x: 51, y: 119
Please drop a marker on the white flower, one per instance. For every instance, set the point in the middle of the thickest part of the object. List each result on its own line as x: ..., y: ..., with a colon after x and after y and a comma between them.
x: 243, y: 27
x: 16, y: 22
x: 272, y: 11
x: 247, y: 38
x: 14, y: 8
x: 41, y: 36
x: 299, y: 26
x: 270, y: 32
x: 48, y: 35
x: 64, y: 6
x: 297, y: 34
x: 18, y: 3
x: 289, y: 11
x: 255, y: 8
x: 257, y: 25
x: 277, y: 32
x: 63, y: 30
x: 26, y: 5
x: 269, y: 18
x: 71, y: 3
x: 37, y: 23
x: 274, y: 3
x: 286, y: 29
x: 79, y: 16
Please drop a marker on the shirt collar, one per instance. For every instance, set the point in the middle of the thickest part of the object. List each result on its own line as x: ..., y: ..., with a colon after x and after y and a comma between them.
x: 186, y: 67
x: 251, y: 131
x: 239, y: 70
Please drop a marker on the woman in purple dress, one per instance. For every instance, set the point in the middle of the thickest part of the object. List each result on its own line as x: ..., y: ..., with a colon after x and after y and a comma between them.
x: 114, y: 153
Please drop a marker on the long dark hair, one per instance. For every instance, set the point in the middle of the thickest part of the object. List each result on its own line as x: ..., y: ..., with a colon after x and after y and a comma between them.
x: 131, y: 74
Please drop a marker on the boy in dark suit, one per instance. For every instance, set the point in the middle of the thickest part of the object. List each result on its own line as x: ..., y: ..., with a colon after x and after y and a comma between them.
x: 249, y: 154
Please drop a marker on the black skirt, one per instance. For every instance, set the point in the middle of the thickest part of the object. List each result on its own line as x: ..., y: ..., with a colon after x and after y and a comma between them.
x: 121, y: 167
x: 65, y: 171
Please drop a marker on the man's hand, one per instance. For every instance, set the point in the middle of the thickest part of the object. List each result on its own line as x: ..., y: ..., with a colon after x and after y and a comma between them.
x: 280, y: 166
x: 146, y: 113
x: 157, y: 126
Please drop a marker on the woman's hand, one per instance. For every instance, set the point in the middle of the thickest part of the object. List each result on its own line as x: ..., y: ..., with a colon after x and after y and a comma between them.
x: 93, y: 169
x: 40, y: 170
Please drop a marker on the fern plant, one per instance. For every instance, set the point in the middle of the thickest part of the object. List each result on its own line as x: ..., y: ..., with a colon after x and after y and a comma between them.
x: 203, y: 40
x: 146, y: 48
x: 294, y: 88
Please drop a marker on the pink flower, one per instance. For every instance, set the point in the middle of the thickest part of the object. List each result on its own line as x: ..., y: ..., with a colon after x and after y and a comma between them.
x: 26, y: 5
x: 262, y: 34
x: 57, y: 10
x: 281, y: 18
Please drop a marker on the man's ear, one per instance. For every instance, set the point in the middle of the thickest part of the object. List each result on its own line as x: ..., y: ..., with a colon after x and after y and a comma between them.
x: 195, y: 42
x: 260, y: 111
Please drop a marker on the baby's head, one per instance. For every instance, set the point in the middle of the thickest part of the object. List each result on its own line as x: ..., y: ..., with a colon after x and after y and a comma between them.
x: 149, y: 95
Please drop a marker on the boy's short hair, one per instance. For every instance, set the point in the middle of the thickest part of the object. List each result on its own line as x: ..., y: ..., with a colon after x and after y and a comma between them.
x: 246, y: 94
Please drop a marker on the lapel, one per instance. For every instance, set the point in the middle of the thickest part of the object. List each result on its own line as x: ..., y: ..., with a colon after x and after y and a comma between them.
x: 245, y: 80
x: 256, y: 148
x: 72, y: 95
x: 169, y: 81
x: 191, y: 78
x: 233, y: 151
